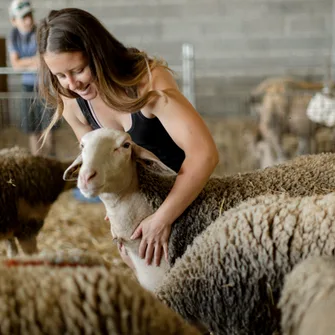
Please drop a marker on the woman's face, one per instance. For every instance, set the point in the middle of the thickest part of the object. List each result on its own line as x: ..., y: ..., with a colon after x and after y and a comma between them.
x: 73, y: 72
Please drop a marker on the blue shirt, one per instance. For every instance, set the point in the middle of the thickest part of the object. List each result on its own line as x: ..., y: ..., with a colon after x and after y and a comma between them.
x: 25, y: 46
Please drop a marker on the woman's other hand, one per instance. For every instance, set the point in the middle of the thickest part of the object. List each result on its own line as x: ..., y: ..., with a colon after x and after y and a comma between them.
x: 155, y: 236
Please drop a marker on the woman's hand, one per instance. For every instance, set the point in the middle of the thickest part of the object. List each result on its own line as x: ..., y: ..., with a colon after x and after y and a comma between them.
x: 155, y: 236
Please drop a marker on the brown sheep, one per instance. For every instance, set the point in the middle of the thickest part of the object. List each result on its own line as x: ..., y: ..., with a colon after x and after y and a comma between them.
x: 29, y: 185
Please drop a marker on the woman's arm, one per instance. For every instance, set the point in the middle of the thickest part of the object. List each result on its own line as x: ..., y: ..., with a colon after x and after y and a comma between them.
x: 29, y: 63
x: 191, y: 134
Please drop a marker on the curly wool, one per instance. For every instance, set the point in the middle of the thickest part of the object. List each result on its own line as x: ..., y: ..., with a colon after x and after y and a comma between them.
x: 307, y: 301
x: 76, y: 294
x: 230, y: 278
x: 303, y: 176
x: 36, y: 178
x: 29, y: 185
x: 15, y: 151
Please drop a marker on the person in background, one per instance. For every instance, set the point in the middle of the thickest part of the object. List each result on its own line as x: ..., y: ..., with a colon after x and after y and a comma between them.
x: 94, y: 81
x: 22, y: 48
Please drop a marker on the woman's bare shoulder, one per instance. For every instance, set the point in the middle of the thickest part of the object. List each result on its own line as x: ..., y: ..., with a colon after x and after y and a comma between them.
x: 74, y: 117
x: 160, y: 78
x: 71, y: 108
x: 163, y: 78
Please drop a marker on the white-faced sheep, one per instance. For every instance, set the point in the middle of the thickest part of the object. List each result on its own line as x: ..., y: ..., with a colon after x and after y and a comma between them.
x: 75, y: 293
x: 131, y: 182
x: 29, y: 185
x: 231, y: 277
x: 307, y: 301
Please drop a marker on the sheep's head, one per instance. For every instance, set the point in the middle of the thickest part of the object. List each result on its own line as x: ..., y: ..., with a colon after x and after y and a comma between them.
x: 107, y: 162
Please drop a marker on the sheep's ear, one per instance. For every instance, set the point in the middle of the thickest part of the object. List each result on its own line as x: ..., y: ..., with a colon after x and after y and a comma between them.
x: 149, y: 160
x: 72, y: 172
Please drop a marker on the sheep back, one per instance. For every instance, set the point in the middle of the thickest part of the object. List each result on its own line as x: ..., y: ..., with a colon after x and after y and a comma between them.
x: 307, y: 301
x: 78, y: 294
x: 304, y: 176
x: 230, y: 278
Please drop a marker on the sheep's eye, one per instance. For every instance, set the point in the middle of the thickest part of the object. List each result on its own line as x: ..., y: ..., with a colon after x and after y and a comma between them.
x: 148, y: 162
x: 126, y: 145
x: 81, y: 145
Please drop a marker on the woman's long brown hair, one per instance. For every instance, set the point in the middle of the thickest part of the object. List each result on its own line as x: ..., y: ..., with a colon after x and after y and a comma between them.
x: 117, y: 70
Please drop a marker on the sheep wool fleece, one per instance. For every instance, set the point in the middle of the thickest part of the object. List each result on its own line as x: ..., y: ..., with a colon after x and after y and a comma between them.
x: 304, y: 176
x: 76, y: 293
x: 27, y: 181
x: 231, y: 277
x: 307, y: 301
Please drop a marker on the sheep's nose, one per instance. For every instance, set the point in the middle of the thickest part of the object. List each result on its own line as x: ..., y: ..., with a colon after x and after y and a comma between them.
x: 87, y: 175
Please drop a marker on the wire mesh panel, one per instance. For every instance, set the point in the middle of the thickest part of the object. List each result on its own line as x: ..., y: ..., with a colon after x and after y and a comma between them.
x: 23, y: 120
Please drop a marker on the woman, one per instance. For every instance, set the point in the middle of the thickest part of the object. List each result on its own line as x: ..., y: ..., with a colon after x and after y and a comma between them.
x: 95, y: 81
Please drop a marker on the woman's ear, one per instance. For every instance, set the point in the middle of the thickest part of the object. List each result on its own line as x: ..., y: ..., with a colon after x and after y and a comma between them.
x: 72, y: 172
x: 149, y: 160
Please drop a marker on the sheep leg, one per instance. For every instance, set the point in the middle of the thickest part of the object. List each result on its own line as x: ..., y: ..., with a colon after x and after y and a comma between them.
x: 11, y: 247
x: 271, y: 131
x: 28, y: 244
x: 273, y: 138
x: 304, y: 146
x: 333, y: 140
x: 265, y: 155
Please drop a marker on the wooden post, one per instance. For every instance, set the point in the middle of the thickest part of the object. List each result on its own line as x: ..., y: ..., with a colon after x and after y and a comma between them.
x: 4, y: 111
x: 332, y: 53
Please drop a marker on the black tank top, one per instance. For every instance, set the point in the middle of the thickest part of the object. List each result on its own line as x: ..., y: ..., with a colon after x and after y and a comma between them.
x: 148, y: 133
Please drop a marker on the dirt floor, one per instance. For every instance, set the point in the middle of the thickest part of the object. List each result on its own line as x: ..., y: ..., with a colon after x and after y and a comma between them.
x: 72, y: 224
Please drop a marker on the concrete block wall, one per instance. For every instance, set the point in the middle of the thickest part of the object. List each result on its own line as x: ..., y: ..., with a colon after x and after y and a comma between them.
x: 237, y: 43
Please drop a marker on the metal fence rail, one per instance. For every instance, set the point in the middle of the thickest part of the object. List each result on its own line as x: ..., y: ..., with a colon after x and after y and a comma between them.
x: 11, y: 101
x: 186, y: 70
